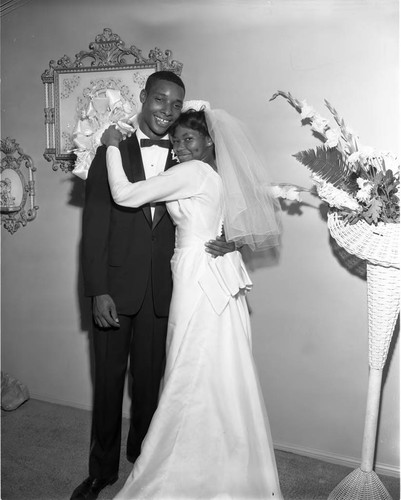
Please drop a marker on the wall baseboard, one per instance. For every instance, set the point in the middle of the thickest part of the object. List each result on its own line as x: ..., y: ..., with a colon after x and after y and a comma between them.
x: 380, y: 468
x: 50, y: 399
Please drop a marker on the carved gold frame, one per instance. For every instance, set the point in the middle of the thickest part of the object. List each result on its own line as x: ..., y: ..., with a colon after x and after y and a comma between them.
x: 108, y: 56
x: 15, y: 188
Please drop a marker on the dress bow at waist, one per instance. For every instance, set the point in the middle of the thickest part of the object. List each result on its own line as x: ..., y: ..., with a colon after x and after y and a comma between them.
x: 224, y: 277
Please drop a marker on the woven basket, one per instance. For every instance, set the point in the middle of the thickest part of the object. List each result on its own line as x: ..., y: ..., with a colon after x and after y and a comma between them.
x: 383, y: 310
x: 360, y: 485
x: 376, y: 244
x: 379, y: 245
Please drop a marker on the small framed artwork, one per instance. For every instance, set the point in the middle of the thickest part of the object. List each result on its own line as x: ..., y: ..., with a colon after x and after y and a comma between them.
x: 101, y: 86
x: 17, y: 186
x: 12, y: 190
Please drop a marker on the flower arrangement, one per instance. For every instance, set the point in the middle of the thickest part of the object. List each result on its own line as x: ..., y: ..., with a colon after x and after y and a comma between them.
x: 105, y: 107
x: 357, y: 181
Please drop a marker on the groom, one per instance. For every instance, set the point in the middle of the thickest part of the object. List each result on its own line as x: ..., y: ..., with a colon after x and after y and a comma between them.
x: 126, y: 266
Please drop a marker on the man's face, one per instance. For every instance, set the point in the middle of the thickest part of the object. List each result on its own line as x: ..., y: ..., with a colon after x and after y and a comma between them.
x: 161, y: 106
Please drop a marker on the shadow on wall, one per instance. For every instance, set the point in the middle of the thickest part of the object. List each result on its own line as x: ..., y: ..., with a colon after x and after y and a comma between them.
x: 258, y: 260
x: 77, y: 199
x: 352, y: 263
x: 77, y: 193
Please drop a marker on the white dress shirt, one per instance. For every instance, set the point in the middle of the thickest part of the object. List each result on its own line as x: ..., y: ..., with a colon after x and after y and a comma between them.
x: 153, y: 158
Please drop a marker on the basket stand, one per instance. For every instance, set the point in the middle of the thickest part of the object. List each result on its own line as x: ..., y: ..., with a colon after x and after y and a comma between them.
x: 383, y: 309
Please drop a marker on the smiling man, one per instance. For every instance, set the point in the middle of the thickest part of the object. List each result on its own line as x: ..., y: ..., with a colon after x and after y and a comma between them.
x: 126, y: 268
x: 162, y: 100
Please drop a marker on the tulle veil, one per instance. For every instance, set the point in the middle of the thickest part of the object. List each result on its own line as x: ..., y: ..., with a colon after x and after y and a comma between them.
x: 252, y: 215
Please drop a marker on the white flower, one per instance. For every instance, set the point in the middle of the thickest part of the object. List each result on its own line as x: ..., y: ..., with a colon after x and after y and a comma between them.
x: 128, y: 126
x: 113, y: 109
x: 82, y: 164
x: 174, y: 157
x: 333, y: 196
x: 368, y: 155
x: 391, y: 162
x: 365, y: 190
x: 307, y: 111
x: 353, y: 161
x: 333, y: 136
x: 319, y: 124
x: 285, y: 191
x: 354, y: 157
x: 350, y: 131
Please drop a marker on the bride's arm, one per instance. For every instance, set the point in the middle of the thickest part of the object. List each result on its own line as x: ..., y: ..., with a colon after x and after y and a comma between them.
x: 180, y: 181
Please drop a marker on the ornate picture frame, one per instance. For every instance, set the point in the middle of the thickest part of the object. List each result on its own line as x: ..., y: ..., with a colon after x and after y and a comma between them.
x: 15, y: 188
x: 104, y: 81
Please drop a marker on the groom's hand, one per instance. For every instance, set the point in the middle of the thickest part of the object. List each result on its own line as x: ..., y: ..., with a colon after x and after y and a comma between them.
x: 105, y: 312
x: 219, y: 246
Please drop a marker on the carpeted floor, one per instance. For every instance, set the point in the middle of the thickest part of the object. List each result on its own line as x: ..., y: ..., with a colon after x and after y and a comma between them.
x: 45, y: 451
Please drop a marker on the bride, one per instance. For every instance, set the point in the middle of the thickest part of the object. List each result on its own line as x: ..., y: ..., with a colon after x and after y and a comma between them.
x: 210, y: 436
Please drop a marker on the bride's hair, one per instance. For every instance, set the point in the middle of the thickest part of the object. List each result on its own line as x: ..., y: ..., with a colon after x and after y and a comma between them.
x: 195, y: 120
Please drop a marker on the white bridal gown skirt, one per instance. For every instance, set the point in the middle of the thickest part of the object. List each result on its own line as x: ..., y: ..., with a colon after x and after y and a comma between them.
x: 210, y: 436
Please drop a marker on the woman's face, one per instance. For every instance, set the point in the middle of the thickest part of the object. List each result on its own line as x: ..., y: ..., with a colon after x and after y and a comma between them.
x: 189, y: 144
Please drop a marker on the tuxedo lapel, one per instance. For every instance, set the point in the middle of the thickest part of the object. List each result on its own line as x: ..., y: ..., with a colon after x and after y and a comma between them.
x: 133, y: 166
x: 160, y: 208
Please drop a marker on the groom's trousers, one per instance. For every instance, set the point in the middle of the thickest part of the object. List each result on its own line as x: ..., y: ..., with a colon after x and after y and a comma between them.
x: 140, y: 340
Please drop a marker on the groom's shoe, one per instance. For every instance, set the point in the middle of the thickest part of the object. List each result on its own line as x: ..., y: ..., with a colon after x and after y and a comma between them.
x: 91, y: 487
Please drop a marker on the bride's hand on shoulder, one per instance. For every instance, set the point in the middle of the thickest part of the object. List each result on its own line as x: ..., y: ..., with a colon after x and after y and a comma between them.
x: 111, y: 136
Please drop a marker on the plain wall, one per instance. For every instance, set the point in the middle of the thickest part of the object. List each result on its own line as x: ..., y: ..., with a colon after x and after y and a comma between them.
x: 309, y: 312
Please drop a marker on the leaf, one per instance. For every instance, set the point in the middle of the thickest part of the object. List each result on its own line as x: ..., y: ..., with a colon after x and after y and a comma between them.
x: 294, y: 102
x: 373, y: 211
x: 326, y: 163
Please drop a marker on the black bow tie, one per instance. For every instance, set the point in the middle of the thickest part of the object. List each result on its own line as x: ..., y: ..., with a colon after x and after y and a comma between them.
x: 162, y: 143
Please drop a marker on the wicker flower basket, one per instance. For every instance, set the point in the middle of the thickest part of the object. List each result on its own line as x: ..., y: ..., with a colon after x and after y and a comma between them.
x: 376, y: 244
x: 379, y: 246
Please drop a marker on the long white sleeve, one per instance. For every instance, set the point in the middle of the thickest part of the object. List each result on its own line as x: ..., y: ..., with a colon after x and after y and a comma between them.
x: 178, y: 182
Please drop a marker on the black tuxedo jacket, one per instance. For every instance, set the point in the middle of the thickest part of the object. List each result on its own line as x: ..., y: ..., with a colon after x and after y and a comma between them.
x: 122, y: 247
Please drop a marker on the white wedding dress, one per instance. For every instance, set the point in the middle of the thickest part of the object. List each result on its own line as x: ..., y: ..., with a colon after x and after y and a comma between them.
x: 210, y: 436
